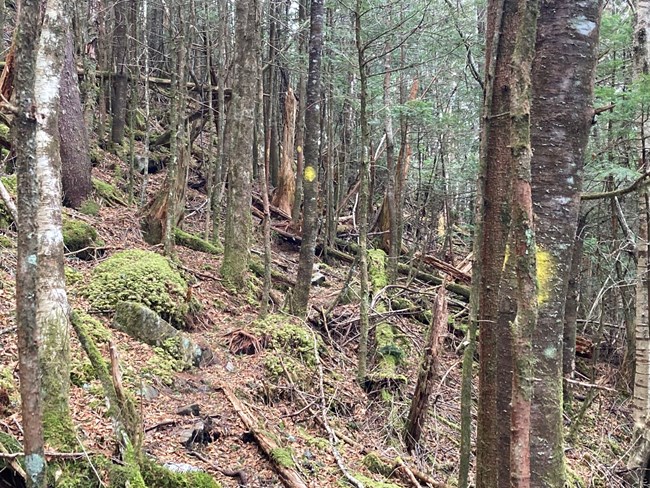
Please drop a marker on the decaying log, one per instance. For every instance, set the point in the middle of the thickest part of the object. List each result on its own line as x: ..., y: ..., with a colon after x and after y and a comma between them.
x: 446, y: 268
x: 269, y: 446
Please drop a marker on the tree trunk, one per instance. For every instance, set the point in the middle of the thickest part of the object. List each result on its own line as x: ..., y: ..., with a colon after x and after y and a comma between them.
x: 563, y: 80
x: 492, y: 231
x: 427, y: 373
x: 75, y: 157
x: 234, y: 268
x: 641, y: 400
x: 120, y: 77
x: 522, y: 248
x: 300, y: 122
x: 571, y: 314
x: 29, y: 328
x: 284, y: 193
x: 364, y: 177
x: 310, y: 173
x: 42, y: 305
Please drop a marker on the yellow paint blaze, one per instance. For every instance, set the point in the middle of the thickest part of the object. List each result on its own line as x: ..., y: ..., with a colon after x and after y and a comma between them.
x: 545, y: 272
x: 310, y: 174
x: 299, y: 149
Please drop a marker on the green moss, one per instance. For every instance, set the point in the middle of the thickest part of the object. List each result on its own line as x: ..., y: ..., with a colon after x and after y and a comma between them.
x: 158, y: 476
x: 283, y: 456
x: 367, y: 482
x: 376, y: 465
x: 164, y: 366
x: 192, y: 241
x: 97, y: 331
x: 108, y: 193
x: 11, y: 184
x: 72, y: 276
x: 6, y: 242
x: 78, y: 235
x: 78, y: 474
x: 289, y: 335
x: 143, y: 277
x: 81, y: 371
x: 6, y: 219
x: 377, y: 269
x: 89, y: 207
x: 59, y: 429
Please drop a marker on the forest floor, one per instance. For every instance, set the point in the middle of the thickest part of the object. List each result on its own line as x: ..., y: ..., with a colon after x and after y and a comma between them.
x: 287, y: 406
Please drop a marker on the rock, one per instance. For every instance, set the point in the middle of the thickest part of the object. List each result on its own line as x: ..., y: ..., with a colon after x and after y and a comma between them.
x: 181, y: 468
x: 201, y: 432
x: 144, y: 324
x: 144, y: 277
x: 192, y: 409
x: 81, y: 238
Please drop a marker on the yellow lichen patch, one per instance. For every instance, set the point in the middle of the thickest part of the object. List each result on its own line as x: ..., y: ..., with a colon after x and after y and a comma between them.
x: 545, y: 272
x: 310, y: 174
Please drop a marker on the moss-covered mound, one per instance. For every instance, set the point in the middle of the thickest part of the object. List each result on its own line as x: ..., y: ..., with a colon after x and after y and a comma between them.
x: 290, y: 347
x: 80, y: 238
x: 143, y: 277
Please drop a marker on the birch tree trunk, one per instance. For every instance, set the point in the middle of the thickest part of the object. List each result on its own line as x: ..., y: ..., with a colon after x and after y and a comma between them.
x: 41, y: 300
x: 563, y: 80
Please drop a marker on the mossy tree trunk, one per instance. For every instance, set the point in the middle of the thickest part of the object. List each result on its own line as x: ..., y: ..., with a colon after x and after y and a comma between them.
x: 237, y: 232
x: 561, y: 115
x: 41, y: 303
x: 310, y: 172
x: 522, y: 248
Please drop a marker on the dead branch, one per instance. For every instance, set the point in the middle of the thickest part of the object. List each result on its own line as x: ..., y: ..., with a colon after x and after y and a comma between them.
x: 290, y: 477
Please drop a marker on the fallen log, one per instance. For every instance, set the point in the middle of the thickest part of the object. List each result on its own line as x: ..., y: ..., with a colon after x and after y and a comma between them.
x: 289, y: 476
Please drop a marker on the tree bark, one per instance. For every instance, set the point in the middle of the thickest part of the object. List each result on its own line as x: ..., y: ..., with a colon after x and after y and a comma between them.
x: 427, y: 373
x: 42, y: 305
x: 310, y: 173
x: 120, y: 76
x: 523, y: 248
x: 493, y: 217
x: 285, y: 191
x: 640, y: 454
x: 234, y: 268
x: 563, y: 80
x: 75, y: 157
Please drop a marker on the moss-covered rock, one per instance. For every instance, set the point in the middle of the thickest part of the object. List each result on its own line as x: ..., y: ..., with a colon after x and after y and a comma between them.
x: 289, y: 335
x: 144, y: 324
x: 78, y: 236
x: 158, y: 476
x: 109, y: 193
x: 290, y: 348
x: 142, y: 277
x: 192, y: 241
x: 376, y: 465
